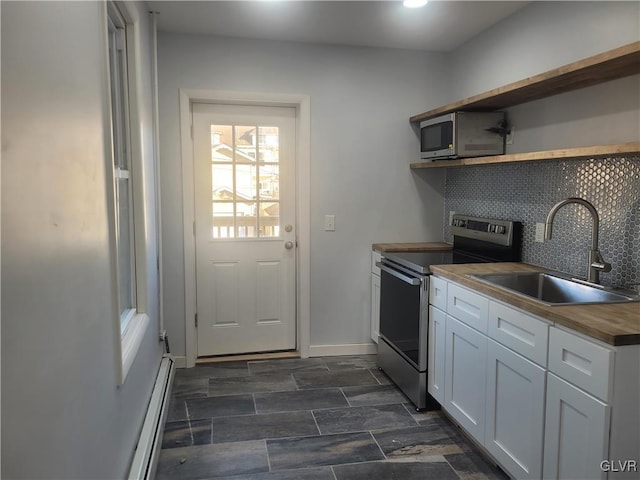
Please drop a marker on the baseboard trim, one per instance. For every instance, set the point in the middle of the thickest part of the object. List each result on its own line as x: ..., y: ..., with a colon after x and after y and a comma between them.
x: 345, y: 349
x: 180, y: 362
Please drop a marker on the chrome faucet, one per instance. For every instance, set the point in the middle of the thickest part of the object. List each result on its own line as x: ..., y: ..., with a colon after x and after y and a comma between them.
x: 596, y: 262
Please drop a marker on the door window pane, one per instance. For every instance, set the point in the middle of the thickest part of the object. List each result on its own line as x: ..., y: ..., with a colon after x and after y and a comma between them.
x: 269, y: 186
x: 269, y: 144
x: 246, y: 220
x: 221, y: 143
x: 269, y: 219
x: 245, y: 192
x: 245, y: 143
x: 223, y: 220
x: 246, y: 182
x: 222, y: 182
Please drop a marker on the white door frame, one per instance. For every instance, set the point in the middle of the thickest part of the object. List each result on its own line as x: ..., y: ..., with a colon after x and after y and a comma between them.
x: 302, y: 104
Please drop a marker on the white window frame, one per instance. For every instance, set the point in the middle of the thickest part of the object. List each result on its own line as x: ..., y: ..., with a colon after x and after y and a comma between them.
x: 130, y: 326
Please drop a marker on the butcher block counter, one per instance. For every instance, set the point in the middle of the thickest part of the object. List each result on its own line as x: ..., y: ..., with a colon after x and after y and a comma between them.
x: 612, y: 323
x: 412, y: 247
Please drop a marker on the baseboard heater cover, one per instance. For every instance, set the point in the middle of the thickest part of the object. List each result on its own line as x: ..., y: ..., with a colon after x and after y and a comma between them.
x: 145, y: 458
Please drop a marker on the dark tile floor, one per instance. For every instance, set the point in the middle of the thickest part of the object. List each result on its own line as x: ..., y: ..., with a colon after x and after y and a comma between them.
x: 332, y: 418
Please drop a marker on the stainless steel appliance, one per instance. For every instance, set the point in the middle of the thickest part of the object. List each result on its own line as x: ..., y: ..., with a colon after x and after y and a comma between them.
x: 463, y: 134
x: 404, y: 296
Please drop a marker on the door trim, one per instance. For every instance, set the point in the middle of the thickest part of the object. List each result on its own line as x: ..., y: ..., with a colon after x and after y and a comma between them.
x: 302, y: 104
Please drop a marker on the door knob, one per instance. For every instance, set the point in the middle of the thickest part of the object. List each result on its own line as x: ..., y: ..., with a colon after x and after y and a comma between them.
x: 288, y: 245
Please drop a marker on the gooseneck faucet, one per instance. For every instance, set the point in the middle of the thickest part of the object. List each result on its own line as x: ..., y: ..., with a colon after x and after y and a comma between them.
x: 596, y: 262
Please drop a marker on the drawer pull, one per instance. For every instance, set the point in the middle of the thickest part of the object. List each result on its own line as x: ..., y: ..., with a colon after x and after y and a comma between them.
x: 576, y: 361
x: 466, y: 306
x: 515, y: 331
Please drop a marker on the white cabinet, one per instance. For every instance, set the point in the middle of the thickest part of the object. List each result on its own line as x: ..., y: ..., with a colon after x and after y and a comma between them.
x: 581, y: 362
x: 468, y: 307
x: 375, y: 296
x: 522, y: 333
x: 438, y: 293
x: 465, y: 376
x: 579, y: 395
x: 515, y: 411
x: 576, y: 432
x: 436, y: 354
x: 544, y: 401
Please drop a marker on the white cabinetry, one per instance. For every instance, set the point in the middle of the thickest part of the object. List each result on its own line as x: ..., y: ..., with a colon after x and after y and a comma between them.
x: 437, y: 338
x: 578, y: 411
x: 375, y: 296
x: 436, y: 360
x: 516, y: 357
x: 465, y: 376
x: 465, y: 358
x: 515, y: 411
x: 544, y: 401
x: 468, y: 307
x: 576, y: 432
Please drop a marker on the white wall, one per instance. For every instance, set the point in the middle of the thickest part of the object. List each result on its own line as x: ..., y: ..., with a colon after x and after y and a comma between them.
x: 63, y: 415
x: 543, y: 36
x: 361, y: 145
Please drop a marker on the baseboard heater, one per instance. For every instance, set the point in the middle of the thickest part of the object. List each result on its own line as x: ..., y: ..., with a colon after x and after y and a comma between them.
x: 145, y: 458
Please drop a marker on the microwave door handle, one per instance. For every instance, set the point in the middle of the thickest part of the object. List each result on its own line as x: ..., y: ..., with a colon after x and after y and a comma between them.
x: 395, y: 273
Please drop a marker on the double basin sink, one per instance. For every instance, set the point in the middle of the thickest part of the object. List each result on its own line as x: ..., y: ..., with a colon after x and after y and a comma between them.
x: 556, y: 288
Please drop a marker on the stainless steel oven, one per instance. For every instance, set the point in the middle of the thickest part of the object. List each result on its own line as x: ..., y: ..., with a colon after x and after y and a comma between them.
x: 404, y: 297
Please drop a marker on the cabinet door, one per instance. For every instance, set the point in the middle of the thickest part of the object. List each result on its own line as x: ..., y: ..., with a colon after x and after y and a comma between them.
x: 576, y: 432
x: 465, y: 376
x: 515, y: 411
x: 435, y: 365
x: 375, y: 307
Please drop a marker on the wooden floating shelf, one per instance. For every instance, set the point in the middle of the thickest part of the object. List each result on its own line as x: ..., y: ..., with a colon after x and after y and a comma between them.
x: 617, y: 63
x: 560, y: 154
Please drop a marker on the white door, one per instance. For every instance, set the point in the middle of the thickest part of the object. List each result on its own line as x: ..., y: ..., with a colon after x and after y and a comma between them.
x: 245, y: 232
x: 515, y: 411
x: 576, y: 437
x: 465, y: 377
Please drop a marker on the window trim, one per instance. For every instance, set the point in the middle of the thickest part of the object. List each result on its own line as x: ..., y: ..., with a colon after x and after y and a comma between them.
x: 130, y: 327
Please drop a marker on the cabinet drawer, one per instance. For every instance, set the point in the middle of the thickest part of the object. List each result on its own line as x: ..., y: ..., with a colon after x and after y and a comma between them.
x: 375, y: 257
x: 522, y: 333
x: 468, y: 307
x: 581, y: 362
x: 438, y: 293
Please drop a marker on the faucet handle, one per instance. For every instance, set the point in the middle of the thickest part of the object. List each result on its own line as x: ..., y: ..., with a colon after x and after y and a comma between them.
x: 599, y: 263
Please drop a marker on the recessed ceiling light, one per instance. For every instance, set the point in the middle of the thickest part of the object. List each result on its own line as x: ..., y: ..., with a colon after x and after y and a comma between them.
x: 414, y: 3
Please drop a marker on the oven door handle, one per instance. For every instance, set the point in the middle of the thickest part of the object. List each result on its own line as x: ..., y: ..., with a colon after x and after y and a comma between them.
x: 395, y: 273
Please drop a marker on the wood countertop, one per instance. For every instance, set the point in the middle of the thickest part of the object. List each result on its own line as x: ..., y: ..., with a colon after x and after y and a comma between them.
x: 612, y: 323
x: 412, y: 247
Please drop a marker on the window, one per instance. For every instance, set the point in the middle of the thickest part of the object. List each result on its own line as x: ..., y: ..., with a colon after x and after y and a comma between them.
x: 127, y: 225
x: 121, y: 146
x: 246, y: 181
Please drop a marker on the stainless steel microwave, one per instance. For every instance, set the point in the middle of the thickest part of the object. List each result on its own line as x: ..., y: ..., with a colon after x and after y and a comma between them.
x: 462, y: 134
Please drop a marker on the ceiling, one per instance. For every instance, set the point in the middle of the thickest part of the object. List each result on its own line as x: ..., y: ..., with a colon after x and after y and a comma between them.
x: 440, y: 26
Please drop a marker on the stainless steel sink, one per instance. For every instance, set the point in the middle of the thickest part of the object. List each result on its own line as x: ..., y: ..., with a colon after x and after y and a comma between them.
x: 556, y: 289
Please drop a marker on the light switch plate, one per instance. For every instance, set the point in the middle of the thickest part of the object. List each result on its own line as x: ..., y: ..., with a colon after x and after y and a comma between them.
x: 329, y: 223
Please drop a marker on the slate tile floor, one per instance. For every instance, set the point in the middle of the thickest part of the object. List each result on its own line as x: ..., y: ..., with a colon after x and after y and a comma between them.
x: 332, y: 418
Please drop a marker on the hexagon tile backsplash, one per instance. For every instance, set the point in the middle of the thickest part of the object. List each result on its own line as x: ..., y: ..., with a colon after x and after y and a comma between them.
x: 526, y: 192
